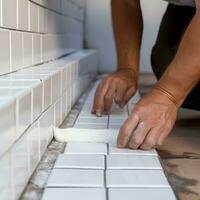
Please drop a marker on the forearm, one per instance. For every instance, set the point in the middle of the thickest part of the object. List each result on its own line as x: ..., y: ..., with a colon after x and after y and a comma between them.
x: 127, y: 27
x: 184, y: 71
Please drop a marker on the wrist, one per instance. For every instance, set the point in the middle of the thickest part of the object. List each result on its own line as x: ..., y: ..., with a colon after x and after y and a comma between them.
x: 166, y: 96
x: 130, y: 69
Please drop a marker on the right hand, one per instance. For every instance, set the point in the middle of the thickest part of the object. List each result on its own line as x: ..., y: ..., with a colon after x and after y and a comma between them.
x: 119, y: 87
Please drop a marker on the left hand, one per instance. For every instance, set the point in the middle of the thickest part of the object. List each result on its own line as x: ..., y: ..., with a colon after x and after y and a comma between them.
x: 151, y: 121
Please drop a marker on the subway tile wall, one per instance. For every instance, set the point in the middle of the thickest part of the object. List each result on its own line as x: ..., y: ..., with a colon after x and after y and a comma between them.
x: 38, y: 31
x: 42, y: 73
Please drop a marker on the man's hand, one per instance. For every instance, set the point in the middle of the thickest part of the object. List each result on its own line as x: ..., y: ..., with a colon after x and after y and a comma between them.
x: 119, y: 87
x: 151, y: 121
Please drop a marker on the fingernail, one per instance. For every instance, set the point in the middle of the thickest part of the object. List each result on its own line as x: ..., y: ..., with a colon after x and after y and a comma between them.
x: 98, y: 113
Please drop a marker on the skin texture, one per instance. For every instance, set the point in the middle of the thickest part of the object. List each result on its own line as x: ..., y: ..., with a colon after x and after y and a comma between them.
x: 121, y: 85
x: 153, y: 117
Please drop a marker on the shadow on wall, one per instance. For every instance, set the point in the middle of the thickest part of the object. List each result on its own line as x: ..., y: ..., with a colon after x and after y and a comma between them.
x: 99, y: 34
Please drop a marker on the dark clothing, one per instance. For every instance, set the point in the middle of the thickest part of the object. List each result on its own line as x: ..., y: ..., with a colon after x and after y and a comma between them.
x: 174, y: 23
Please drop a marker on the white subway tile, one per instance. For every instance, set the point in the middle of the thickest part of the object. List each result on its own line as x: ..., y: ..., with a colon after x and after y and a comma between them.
x: 76, y: 178
x: 33, y: 146
x: 22, y: 14
x: 4, y: 52
x: 37, y: 101
x: 20, y: 164
x: 57, y: 111
x: 67, y: 161
x: 114, y: 150
x: 86, y: 148
x: 74, y: 193
x: 7, y: 124
x: 136, y: 179
x: 133, y: 162
x: 9, y: 13
x: 36, y: 49
x: 141, y: 194
x: 33, y: 17
x: 56, y: 86
x: 42, y: 19
x: 27, y: 49
x: 46, y: 122
x: 16, y: 50
x: 23, y: 112
x: 6, y: 191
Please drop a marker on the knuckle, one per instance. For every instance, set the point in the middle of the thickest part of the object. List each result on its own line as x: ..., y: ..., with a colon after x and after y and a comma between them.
x: 151, y: 142
x: 124, y: 130
x: 108, y: 97
x: 137, y: 140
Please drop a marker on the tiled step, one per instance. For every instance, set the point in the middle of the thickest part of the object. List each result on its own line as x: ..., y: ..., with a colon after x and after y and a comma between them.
x: 122, y: 173
x: 33, y: 100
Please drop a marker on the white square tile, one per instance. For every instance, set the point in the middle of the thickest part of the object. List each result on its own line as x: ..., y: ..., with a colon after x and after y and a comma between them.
x: 6, y: 177
x: 22, y: 14
x: 27, y: 49
x: 4, y: 52
x: 114, y: 150
x: 86, y: 148
x: 33, y: 146
x: 136, y: 179
x: 76, y: 178
x: 74, y: 193
x: 9, y: 13
x: 7, y: 124
x: 69, y: 161
x: 20, y: 162
x: 141, y: 194
x: 133, y: 162
x: 16, y: 50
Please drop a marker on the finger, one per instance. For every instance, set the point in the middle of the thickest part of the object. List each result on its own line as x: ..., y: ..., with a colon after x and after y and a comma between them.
x: 98, y: 104
x: 120, y: 92
x: 138, y: 136
x: 126, y: 130
x: 109, y: 97
x: 129, y: 93
x: 151, y: 138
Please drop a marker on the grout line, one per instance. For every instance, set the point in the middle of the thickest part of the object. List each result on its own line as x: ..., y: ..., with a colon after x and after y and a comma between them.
x: 50, y: 9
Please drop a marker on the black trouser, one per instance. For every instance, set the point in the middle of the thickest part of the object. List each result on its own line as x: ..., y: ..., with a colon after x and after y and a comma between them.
x: 174, y: 23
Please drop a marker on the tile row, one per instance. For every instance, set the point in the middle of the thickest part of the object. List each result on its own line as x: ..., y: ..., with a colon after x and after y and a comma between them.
x: 47, y: 17
x: 23, y: 49
x: 113, y: 194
